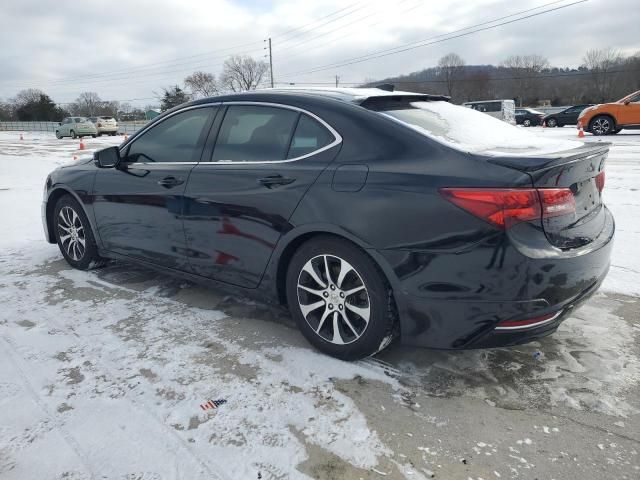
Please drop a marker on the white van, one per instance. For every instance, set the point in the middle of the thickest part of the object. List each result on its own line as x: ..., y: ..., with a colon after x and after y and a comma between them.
x: 504, y: 110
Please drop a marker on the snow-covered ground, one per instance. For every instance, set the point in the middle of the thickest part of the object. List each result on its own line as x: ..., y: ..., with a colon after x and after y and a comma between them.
x: 102, y: 374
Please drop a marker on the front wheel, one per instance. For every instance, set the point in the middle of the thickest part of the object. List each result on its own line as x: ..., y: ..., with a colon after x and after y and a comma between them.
x: 58, y: 136
x: 73, y: 134
x: 526, y: 122
x: 339, y: 299
x: 552, y: 123
x: 74, y: 236
x: 93, y: 136
x: 602, y: 125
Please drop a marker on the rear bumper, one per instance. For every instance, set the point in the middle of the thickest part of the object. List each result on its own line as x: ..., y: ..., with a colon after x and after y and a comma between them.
x: 456, y: 301
x: 107, y: 129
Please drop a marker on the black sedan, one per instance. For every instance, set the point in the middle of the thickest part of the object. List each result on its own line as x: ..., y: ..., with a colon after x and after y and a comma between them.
x: 568, y: 116
x: 362, y: 210
x: 528, y: 117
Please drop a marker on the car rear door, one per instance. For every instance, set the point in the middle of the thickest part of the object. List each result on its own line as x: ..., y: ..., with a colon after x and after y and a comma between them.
x: 138, y: 205
x: 238, y: 202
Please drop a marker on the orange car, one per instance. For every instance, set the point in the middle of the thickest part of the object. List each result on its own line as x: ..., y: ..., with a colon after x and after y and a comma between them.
x: 610, y: 118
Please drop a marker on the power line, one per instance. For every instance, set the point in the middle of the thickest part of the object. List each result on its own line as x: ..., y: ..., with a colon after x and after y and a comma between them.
x: 278, y: 35
x: 413, y: 46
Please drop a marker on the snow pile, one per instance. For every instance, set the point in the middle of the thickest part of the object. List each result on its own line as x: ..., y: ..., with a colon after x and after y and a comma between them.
x: 472, y: 131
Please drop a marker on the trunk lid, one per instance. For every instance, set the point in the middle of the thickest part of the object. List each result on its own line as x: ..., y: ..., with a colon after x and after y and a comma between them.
x: 582, y: 171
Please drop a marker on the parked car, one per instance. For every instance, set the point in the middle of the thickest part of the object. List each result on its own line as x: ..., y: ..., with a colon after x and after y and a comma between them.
x: 75, y: 127
x: 528, y: 117
x: 610, y: 118
x: 371, y: 214
x: 568, y: 116
x: 106, y: 125
x: 501, y: 109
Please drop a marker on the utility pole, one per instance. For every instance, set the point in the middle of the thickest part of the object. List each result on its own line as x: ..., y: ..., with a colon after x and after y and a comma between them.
x: 270, y: 63
x: 337, y: 80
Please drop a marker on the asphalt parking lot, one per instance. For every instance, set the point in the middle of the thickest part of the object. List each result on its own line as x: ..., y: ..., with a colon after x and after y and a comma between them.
x: 116, y: 363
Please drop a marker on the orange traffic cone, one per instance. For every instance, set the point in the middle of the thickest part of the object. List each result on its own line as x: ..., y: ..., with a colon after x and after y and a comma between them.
x: 81, y: 145
x: 544, y: 124
x: 21, y: 137
x: 580, y: 130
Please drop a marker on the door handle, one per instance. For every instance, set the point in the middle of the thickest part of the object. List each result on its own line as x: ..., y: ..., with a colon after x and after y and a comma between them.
x: 275, y: 180
x: 170, y: 182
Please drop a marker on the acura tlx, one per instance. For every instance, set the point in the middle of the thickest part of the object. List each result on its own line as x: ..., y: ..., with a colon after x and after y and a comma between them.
x: 373, y: 214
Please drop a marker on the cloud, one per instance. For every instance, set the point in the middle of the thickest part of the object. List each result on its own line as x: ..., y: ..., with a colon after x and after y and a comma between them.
x: 129, y: 51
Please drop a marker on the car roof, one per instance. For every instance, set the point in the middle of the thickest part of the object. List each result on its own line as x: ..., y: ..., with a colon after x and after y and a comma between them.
x: 349, y: 95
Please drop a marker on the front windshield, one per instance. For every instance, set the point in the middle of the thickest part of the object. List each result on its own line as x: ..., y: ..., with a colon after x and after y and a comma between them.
x: 472, y: 131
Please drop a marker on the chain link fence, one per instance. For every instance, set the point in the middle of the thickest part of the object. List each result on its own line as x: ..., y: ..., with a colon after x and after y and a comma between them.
x: 128, y: 127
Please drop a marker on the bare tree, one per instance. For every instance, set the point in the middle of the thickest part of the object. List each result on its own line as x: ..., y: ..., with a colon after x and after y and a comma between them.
x: 201, y: 84
x: 450, y: 69
x: 87, y: 104
x: 525, y: 70
x: 602, y: 63
x: 242, y: 73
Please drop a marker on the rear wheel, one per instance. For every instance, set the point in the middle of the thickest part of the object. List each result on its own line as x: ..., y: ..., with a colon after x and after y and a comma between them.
x: 74, y: 236
x: 99, y: 134
x: 93, y: 136
x: 601, y: 125
x: 73, y: 134
x: 339, y: 299
x: 58, y: 136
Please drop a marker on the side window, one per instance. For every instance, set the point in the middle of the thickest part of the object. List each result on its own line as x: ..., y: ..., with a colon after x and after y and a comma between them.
x: 310, y: 135
x: 254, y: 133
x: 493, y: 107
x: 175, y: 139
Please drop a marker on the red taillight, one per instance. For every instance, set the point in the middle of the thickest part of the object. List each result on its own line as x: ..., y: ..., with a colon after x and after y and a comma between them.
x: 556, y: 201
x: 504, y: 207
x: 600, y: 181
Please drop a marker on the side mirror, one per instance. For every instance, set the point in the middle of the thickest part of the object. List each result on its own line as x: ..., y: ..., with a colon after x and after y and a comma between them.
x: 107, y: 158
x: 627, y: 102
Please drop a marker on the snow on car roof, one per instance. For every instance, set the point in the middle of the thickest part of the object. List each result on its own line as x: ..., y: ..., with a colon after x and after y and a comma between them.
x: 350, y: 94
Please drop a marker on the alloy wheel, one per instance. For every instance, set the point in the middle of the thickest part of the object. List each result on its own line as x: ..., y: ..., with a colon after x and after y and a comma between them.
x: 71, y: 233
x: 333, y: 299
x: 552, y: 123
x: 527, y: 123
x: 601, y: 126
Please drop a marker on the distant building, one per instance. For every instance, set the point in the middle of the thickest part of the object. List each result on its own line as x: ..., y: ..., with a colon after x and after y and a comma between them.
x: 151, y: 114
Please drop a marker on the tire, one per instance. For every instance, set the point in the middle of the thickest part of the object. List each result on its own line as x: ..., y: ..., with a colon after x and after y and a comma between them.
x: 99, y: 134
x: 71, y: 228
x: 602, y: 125
x: 58, y: 136
x: 93, y: 136
x: 355, y: 336
x: 113, y: 134
x: 552, y: 122
x: 526, y: 122
x: 73, y: 134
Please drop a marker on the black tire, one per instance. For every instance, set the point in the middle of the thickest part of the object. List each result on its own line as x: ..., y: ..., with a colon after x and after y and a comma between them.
x: 73, y: 134
x: 81, y: 257
x: 99, y: 134
x: 374, y: 299
x: 552, y: 122
x: 58, y: 136
x: 113, y: 134
x: 526, y: 122
x: 602, y: 125
x: 93, y: 136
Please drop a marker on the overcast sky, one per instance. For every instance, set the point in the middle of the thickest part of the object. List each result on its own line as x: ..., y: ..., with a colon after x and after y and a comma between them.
x: 130, y: 50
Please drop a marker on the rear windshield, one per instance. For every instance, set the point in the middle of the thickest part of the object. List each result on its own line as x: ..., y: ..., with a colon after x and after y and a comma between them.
x: 106, y: 118
x: 472, y: 131
x: 79, y: 119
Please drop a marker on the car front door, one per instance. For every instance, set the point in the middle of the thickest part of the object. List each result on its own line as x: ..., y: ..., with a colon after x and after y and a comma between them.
x: 238, y: 204
x: 138, y: 205
x: 629, y: 113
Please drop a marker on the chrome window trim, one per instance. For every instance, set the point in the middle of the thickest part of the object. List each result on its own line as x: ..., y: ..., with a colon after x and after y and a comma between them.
x: 337, y: 138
